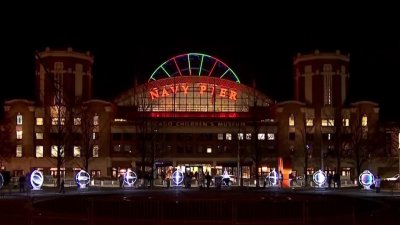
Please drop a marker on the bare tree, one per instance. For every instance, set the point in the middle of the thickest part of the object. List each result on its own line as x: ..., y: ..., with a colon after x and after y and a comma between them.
x: 7, y: 146
x: 359, y: 145
x: 87, y: 123
x: 61, y: 111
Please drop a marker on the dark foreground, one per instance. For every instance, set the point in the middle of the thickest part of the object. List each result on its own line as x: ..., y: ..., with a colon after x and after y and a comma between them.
x: 200, y: 207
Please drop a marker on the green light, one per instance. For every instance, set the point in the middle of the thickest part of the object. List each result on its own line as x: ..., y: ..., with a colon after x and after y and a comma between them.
x: 162, y: 67
x: 201, y: 64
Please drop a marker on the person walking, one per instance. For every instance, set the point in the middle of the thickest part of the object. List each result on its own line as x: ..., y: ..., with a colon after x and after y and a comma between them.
x: 378, y: 184
x: 62, y: 187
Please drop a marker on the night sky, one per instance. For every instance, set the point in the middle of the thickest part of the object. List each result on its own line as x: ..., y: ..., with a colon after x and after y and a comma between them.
x: 257, y: 43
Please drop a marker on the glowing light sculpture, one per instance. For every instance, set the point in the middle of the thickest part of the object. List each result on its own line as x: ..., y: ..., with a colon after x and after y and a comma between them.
x: 319, y: 178
x: 130, y: 178
x: 177, y: 178
x: 366, y: 178
x: 36, y: 180
x: 273, y: 177
x: 82, y: 179
x: 1, y: 180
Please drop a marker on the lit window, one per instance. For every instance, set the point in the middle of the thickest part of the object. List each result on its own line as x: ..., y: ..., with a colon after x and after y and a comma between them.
x: 220, y: 136
x: 19, y: 134
x: 271, y: 136
x: 39, y: 151
x: 328, y: 122
x: 39, y: 136
x: 261, y: 136
x: 96, y: 151
x: 346, y: 122
x: 209, y: 150
x: 95, y: 136
x: 309, y: 122
x: 39, y: 121
x: 96, y: 120
x: 54, y: 121
x: 240, y: 136
x: 77, y: 151
x: 54, y: 152
x: 329, y: 136
x: 19, y: 119
x: 228, y: 136
x: 77, y: 121
x: 291, y: 120
x: 248, y: 136
x: 364, y: 121
x: 18, y: 152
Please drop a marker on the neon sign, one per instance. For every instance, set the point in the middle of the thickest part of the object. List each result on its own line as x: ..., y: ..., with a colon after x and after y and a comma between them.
x: 130, y: 178
x: 319, y: 178
x: 82, y: 179
x: 36, y: 180
x: 366, y: 178
x: 214, y: 90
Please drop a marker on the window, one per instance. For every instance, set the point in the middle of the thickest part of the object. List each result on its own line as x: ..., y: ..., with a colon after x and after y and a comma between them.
x: 364, y: 121
x: 39, y: 121
x: 77, y: 121
x: 220, y: 136
x: 240, y: 136
x: 54, y: 152
x: 95, y: 120
x: 329, y: 137
x: 95, y: 151
x: 309, y: 122
x: 18, y: 151
x: 39, y: 151
x: 328, y: 122
x: 19, y: 134
x: 77, y: 151
x: 127, y: 148
x: 228, y: 136
x: 209, y: 150
x: 292, y: 136
x: 54, y: 121
x: 261, y: 136
x: 19, y: 119
x: 346, y: 122
x: 95, y: 135
x: 39, y: 136
x: 248, y: 136
x: 117, y: 148
x: 95, y: 173
x: 271, y: 136
x: 291, y: 120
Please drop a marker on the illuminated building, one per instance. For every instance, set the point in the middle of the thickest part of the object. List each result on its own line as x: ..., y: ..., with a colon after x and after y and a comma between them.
x: 193, y: 114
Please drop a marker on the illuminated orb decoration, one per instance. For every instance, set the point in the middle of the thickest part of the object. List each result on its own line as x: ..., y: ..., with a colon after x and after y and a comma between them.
x: 319, y: 178
x: 1, y: 180
x: 194, y: 64
x: 130, y: 178
x: 366, y: 178
x: 177, y: 178
x: 36, y: 180
x: 273, y: 177
x: 82, y: 179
